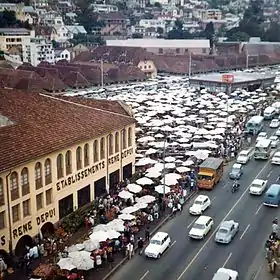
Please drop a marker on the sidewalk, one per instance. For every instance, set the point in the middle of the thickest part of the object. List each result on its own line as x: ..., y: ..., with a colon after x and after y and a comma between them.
x: 108, y: 269
x: 263, y: 274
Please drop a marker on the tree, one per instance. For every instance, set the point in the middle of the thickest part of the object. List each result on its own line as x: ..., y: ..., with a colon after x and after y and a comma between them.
x: 148, y: 16
x: 234, y: 35
x: 160, y: 31
x: 87, y: 39
x: 121, y: 5
x: 8, y: 19
x: 209, y: 32
x: 158, y: 5
x: 55, y: 44
x: 137, y: 36
x: 273, y: 34
x: 178, y: 24
x: 178, y: 32
x: 222, y: 31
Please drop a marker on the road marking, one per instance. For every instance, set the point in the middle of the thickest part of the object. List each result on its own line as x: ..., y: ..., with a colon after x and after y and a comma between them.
x: 191, y: 223
x: 246, y: 229
x: 225, y: 263
x: 258, y: 272
x: 258, y: 210
x: 213, y: 198
x: 173, y: 243
x: 269, y: 174
x: 144, y: 275
x: 214, y: 232
x: 225, y: 185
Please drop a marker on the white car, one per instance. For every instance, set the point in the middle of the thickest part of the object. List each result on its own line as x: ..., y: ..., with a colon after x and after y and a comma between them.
x: 201, y: 203
x: 274, y: 123
x: 158, y: 244
x: 262, y: 135
x: 244, y: 156
x: 257, y: 187
x: 274, y: 141
x: 276, y: 158
x: 225, y: 274
x: 277, y: 133
x: 201, y: 227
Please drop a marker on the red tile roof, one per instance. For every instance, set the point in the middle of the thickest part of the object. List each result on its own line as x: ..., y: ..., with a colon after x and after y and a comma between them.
x: 44, y: 124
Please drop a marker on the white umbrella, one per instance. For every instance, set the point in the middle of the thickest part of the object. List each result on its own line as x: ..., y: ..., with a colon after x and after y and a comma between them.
x: 145, y: 161
x: 82, y: 260
x: 113, y: 234
x: 183, y: 169
x: 153, y: 174
x: 116, y: 224
x: 144, y: 181
x: 146, y: 139
x: 99, y: 227
x: 134, y: 188
x: 170, y: 159
x: 129, y: 210
x: 188, y: 163
x: 173, y: 176
x: 126, y: 217
x: 72, y: 248
x: 66, y: 263
x: 161, y: 189
x: 141, y: 205
x: 99, y: 236
x: 125, y: 195
x: 146, y: 199
x: 90, y: 245
x: 151, y: 151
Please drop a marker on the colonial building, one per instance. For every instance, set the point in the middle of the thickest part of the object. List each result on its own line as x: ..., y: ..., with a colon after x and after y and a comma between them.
x: 57, y: 155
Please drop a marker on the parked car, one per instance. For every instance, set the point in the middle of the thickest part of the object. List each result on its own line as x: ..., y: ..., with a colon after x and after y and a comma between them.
x: 226, y: 231
x: 236, y: 171
x: 201, y: 227
x: 201, y: 203
x: 277, y: 133
x: 158, y: 244
x: 244, y: 156
x: 257, y: 187
x: 276, y: 158
x: 262, y: 135
x: 225, y: 274
x: 274, y: 123
x: 274, y: 141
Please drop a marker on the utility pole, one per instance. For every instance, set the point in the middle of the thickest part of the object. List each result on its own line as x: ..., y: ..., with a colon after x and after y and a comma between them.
x: 190, y: 64
x: 164, y: 147
x: 247, y: 59
x: 102, y: 73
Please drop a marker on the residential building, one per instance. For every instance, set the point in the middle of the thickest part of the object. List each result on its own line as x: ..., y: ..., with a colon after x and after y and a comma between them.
x: 162, y: 2
x: 40, y: 3
x: 62, y: 54
x: 162, y: 46
x: 217, y: 23
x: 8, y: 7
x: 76, y: 50
x: 37, y: 50
x: 211, y: 14
x: 103, y: 8
x: 75, y: 29
x: 58, y: 165
x: 60, y: 34
x: 52, y: 19
x: 65, y: 7
x: 115, y: 23
x: 154, y: 23
x: 14, y: 37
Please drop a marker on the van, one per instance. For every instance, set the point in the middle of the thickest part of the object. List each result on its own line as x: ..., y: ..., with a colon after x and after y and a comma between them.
x: 272, y: 196
x: 269, y: 113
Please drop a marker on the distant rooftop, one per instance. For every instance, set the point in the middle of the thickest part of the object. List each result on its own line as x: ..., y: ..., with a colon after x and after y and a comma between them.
x: 13, y: 31
x: 159, y: 43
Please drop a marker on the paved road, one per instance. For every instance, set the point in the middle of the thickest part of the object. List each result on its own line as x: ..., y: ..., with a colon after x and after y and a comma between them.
x: 189, y: 260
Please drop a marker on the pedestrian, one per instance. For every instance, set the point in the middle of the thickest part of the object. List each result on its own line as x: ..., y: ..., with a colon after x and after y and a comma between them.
x: 147, y: 234
x: 140, y: 245
x: 179, y: 207
x: 129, y: 250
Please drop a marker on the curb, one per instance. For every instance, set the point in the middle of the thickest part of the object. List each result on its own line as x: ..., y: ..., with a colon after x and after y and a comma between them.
x: 112, y: 271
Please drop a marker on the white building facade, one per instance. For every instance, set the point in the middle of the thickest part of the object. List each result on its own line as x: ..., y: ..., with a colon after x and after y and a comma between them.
x: 38, y: 50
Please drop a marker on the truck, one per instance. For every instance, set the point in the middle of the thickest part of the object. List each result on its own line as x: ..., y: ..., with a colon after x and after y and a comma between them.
x: 254, y: 125
x: 262, y: 149
x: 210, y: 173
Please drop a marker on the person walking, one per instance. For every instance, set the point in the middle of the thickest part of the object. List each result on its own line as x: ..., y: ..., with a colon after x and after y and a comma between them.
x: 140, y: 245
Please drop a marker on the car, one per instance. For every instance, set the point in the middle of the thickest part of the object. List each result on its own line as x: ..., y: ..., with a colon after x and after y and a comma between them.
x: 200, y: 204
x: 236, y: 171
x: 277, y: 133
x: 257, y: 187
x: 276, y: 158
x: 262, y: 135
x: 274, y: 123
x: 244, y: 156
x: 226, y: 232
x: 201, y: 227
x: 225, y: 274
x: 274, y: 141
x: 157, y: 245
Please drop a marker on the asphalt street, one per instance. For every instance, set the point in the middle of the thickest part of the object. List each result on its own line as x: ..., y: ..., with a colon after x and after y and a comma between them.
x: 188, y: 259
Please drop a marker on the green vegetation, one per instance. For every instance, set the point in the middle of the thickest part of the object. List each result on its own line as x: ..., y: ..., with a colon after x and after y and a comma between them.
x: 8, y: 19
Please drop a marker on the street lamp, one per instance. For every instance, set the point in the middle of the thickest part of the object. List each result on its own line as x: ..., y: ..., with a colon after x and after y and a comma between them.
x: 164, y: 147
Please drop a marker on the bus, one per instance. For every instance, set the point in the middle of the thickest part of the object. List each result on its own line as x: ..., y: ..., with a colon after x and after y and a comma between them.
x: 254, y: 125
x: 262, y: 149
x: 269, y: 113
x: 272, y: 196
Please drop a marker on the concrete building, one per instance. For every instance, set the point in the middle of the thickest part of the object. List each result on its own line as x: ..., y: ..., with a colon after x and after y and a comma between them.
x: 15, y: 37
x: 208, y: 14
x: 52, y: 164
x: 103, y: 8
x: 38, y: 50
x: 162, y: 46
